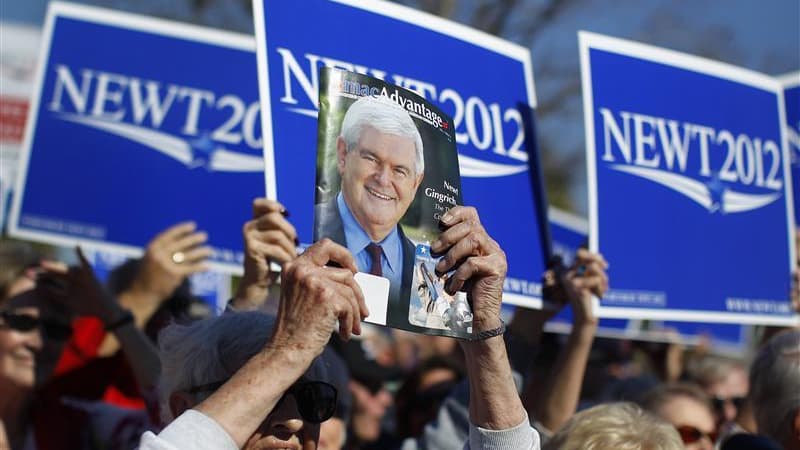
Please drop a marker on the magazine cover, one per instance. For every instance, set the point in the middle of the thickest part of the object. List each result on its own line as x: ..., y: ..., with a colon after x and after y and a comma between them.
x: 387, y: 170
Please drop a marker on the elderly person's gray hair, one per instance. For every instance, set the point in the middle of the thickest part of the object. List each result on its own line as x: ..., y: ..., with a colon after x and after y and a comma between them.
x: 385, y: 116
x: 618, y: 426
x: 211, y: 351
x: 775, y: 386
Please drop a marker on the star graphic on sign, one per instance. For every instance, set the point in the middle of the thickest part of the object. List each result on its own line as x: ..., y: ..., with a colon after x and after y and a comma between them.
x: 716, y: 189
x: 203, y: 148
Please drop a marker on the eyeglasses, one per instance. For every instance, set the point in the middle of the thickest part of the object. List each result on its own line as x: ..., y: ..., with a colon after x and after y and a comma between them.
x: 690, y: 434
x: 316, y: 400
x: 719, y: 402
x: 26, y: 322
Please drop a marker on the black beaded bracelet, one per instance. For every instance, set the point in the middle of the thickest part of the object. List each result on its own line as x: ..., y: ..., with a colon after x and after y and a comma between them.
x: 483, y: 335
x: 125, y: 319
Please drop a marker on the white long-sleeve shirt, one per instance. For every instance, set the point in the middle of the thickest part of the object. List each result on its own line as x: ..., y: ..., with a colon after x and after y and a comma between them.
x: 194, y: 430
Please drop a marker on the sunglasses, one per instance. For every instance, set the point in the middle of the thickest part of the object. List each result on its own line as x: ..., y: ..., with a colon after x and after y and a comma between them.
x: 316, y: 400
x: 719, y: 402
x: 26, y: 322
x: 690, y: 434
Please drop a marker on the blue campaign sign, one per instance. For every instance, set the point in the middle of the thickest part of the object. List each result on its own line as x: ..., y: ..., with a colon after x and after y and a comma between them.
x: 569, y: 233
x: 440, y: 60
x: 791, y: 95
x: 137, y: 124
x: 725, y: 338
x: 690, y: 194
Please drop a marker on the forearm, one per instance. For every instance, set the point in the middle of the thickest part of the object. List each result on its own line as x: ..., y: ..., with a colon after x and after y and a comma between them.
x: 559, y: 399
x: 142, y: 305
x: 494, y: 403
x: 242, y: 403
x: 141, y: 354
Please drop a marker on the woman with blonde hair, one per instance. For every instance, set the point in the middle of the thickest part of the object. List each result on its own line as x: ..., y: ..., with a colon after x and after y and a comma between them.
x: 618, y: 426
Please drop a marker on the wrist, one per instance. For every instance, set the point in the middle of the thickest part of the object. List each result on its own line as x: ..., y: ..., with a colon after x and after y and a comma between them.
x: 583, y: 332
x: 491, y: 322
x: 585, y: 323
x: 250, y: 294
x: 141, y: 294
x: 122, y: 317
x: 295, y: 358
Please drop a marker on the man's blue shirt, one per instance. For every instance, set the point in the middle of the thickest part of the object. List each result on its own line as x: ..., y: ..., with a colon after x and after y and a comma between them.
x: 357, y: 241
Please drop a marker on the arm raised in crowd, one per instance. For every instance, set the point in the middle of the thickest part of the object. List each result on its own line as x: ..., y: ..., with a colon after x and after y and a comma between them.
x: 268, y: 237
x: 171, y: 257
x: 554, y: 402
x: 314, y: 298
x: 480, y: 268
x: 78, y: 289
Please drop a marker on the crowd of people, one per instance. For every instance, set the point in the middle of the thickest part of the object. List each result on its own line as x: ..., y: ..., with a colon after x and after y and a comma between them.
x: 140, y: 363
x: 290, y: 364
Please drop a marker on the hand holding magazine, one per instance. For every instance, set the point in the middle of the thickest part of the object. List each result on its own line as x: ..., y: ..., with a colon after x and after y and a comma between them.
x: 387, y: 170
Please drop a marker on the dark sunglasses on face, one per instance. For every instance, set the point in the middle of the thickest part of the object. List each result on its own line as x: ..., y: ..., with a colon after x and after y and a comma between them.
x: 690, y: 434
x: 316, y: 400
x: 26, y: 322
x: 719, y: 402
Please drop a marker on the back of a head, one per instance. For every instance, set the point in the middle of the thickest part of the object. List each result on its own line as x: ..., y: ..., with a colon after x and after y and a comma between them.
x: 211, y: 351
x: 618, y: 426
x: 775, y: 388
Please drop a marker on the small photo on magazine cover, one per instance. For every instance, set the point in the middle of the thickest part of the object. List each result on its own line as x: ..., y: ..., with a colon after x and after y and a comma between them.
x: 432, y: 307
x: 387, y: 169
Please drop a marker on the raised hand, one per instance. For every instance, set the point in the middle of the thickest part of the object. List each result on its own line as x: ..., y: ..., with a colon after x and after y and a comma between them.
x: 268, y: 237
x: 171, y: 256
x: 480, y: 265
x: 77, y: 289
x: 315, y: 295
x: 585, y: 278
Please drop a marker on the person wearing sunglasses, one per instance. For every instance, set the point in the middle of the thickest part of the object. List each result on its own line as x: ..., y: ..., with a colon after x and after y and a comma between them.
x: 39, y: 301
x: 30, y: 340
x: 725, y: 381
x: 257, y: 404
x: 688, y: 409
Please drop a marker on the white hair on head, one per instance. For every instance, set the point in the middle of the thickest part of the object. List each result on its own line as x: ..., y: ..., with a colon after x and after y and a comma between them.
x: 212, y: 350
x: 775, y: 386
x: 385, y: 116
x: 618, y: 426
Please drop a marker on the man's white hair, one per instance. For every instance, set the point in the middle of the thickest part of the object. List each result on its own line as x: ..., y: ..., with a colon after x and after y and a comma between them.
x: 775, y: 386
x: 211, y: 351
x: 386, y: 116
x: 618, y: 426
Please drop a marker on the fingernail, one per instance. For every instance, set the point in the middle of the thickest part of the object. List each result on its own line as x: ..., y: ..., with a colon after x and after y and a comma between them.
x: 284, y: 212
x: 446, y: 218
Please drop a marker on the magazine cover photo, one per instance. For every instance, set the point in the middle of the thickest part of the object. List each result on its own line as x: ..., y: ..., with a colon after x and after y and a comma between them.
x: 387, y: 170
